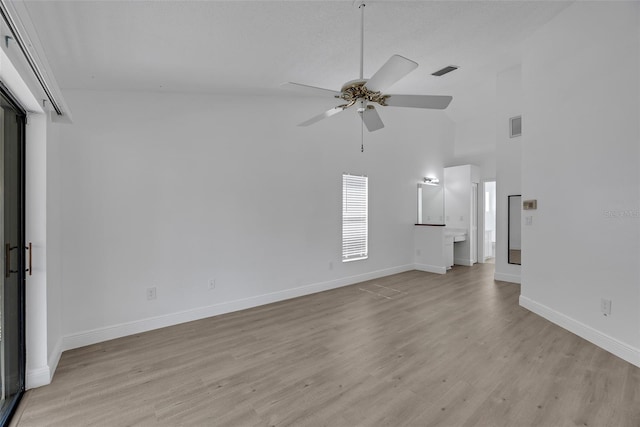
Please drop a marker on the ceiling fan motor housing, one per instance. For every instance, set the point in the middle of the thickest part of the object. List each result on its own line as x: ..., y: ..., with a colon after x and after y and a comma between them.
x: 355, y: 90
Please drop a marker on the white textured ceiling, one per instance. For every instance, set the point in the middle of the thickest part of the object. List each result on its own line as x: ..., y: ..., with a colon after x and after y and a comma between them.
x: 252, y: 47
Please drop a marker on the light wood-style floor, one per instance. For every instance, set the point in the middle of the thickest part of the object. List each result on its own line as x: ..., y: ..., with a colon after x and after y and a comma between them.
x: 515, y: 256
x: 415, y: 349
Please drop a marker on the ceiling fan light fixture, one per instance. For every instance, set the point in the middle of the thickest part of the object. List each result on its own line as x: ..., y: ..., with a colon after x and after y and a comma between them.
x: 445, y: 70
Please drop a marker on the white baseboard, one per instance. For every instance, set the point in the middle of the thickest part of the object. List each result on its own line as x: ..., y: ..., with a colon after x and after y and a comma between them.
x: 503, y: 277
x: 431, y: 268
x: 94, y: 336
x: 43, y: 375
x: 460, y: 261
x: 604, y: 341
x: 54, y: 357
x: 38, y: 377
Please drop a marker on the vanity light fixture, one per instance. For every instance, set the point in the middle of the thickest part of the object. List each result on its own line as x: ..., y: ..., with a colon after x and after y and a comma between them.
x: 431, y: 181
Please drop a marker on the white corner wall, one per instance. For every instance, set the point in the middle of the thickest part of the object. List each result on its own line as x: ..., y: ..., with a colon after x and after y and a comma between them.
x: 580, y: 76
x: 54, y: 247
x: 508, y: 166
x: 171, y: 191
x: 38, y: 371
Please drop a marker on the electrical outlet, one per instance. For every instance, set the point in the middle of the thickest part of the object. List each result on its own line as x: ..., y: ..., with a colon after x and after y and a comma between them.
x: 212, y: 284
x: 528, y: 220
x: 151, y: 293
x: 605, y: 307
x: 418, y: 252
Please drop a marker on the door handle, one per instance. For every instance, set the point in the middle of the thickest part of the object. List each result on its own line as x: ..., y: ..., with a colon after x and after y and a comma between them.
x: 30, y: 269
x: 7, y: 260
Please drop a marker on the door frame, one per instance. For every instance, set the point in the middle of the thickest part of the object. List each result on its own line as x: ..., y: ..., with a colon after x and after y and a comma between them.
x: 474, y: 254
x: 481, y: 217
x: 5, y: 417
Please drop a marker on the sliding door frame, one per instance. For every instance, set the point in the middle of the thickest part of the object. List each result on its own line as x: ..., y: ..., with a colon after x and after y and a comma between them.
x: 5, y: 93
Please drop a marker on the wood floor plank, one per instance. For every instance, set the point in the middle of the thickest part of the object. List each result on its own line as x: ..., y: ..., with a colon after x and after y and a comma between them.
x: 411, y: 349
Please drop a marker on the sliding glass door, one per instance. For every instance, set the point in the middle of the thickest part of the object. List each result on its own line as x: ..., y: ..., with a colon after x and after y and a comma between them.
x: 12, y: 349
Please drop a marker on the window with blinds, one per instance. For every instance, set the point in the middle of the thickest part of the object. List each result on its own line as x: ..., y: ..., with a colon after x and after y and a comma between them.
x: 355, y: 221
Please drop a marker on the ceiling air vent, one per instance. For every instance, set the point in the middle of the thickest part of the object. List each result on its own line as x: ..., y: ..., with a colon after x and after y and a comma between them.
x: 445, y: 70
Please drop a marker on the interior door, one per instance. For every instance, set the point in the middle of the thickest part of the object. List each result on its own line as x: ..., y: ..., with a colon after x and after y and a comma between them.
x: 12, y: 349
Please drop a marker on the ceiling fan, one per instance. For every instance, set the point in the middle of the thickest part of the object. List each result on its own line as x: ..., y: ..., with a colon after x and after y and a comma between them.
x: 362, y: 92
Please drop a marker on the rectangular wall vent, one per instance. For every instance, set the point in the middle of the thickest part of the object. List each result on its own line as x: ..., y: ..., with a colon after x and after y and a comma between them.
x: 515, y: 126
x: 445, y: 70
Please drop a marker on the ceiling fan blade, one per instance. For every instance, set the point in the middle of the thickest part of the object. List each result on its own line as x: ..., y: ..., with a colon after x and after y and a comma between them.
x: 393, y: 70
x: 371, y: 118
x: 436, y: 102
x: 309, y: 90
x: 324, y: 115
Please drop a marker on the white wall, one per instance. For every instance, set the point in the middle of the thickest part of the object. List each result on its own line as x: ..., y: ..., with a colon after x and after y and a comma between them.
x: 476, y: 136
x: 37, y: 369
x: 472, y: 110
x: 172, y: 190
x: 54, y: 248
x: 580, y: 79
x: 508, y: 165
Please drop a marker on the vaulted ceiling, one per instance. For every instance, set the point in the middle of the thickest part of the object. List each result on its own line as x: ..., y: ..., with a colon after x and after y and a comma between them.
x: 251, y: 47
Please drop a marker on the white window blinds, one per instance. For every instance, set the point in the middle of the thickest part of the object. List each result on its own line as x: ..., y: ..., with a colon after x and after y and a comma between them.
x: 355, y: 239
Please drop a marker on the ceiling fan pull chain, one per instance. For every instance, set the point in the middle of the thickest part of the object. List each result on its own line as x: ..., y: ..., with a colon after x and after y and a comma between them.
x: 362, y: 136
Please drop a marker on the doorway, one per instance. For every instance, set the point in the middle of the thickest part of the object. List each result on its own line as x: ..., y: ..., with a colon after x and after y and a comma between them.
x: 12, y: 232
x: 473, y: 233
x: 489, y: 235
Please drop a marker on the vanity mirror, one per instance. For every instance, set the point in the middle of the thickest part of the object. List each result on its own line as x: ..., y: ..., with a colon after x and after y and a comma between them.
x: 430, y: 204
x: 514, y: 230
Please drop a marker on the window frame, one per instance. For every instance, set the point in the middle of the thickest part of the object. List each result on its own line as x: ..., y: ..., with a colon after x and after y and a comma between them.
x: 355, y: 217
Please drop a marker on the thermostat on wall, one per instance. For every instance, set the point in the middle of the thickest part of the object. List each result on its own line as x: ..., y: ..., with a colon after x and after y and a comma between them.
x: 529, y: 205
